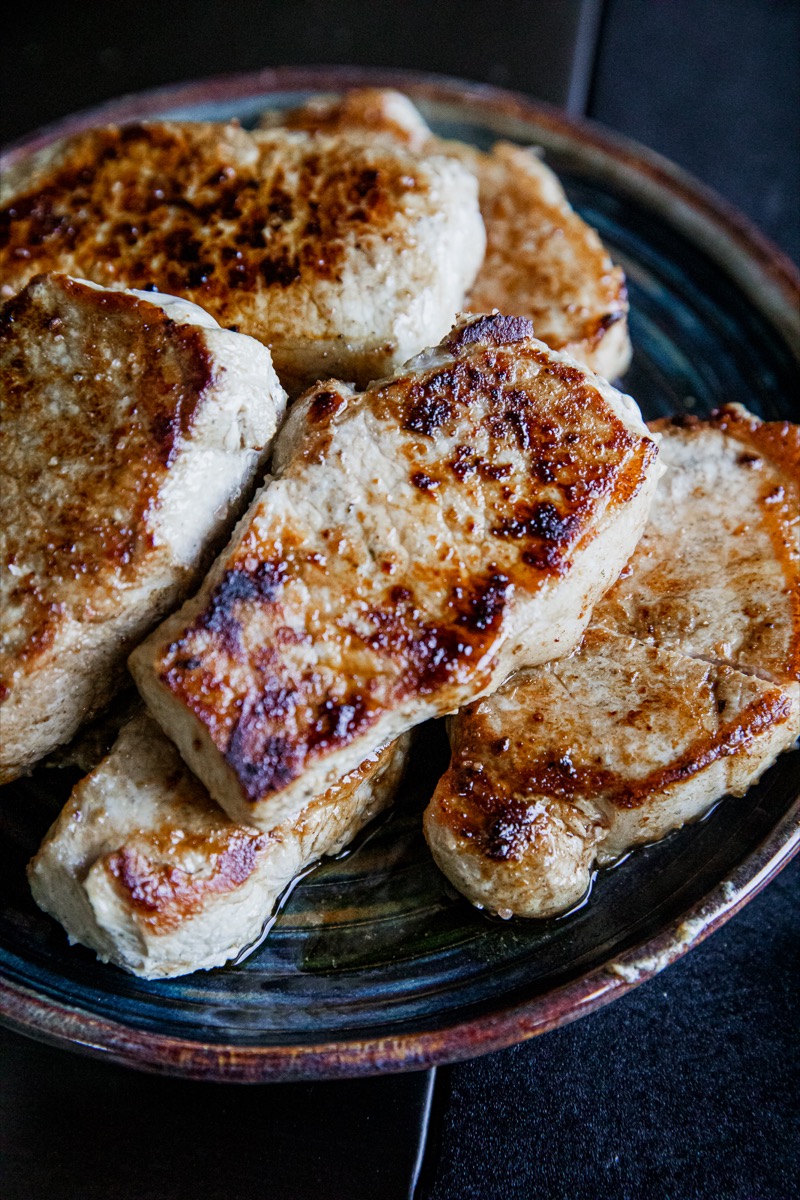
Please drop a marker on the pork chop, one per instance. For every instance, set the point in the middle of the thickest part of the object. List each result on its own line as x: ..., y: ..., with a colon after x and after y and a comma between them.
x: 420, y: 541
x: 344, y: 258
x: 542, y: 260
x: 142, y: 866
x: 570, y: 765
x: 716, y: 573
x: 132, y: 425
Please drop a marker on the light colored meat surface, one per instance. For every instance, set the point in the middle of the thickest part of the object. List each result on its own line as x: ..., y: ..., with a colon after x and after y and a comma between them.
x: 344, y: 258
x: 542, y: 260
x: 421, y: 540
x: 128, y: 440
x: 142, y: 866
x: 570, y: 765
x: 716, y: 572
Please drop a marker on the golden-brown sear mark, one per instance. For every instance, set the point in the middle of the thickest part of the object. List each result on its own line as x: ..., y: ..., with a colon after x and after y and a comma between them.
x: 483, y: 801
x: 136, y: 378
x: 189, y: 211
x: 516, y: 452
x: 165, y: 894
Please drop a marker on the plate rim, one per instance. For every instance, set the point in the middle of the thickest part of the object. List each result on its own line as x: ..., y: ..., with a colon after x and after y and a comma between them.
x: 763, y: 268
x: 50, y: 1021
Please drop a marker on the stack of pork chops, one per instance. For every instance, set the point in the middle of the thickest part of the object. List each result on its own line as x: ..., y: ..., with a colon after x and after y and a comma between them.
x: 459, y: 517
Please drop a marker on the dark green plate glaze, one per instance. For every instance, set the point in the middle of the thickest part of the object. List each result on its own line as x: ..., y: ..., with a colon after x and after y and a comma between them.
x: 373, y: 963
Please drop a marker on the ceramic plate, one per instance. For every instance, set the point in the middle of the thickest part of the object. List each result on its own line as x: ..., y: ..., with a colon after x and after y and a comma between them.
x: 373, y: 963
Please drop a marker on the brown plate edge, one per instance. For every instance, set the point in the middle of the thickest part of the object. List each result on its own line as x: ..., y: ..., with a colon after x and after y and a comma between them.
x: 23, y: 1011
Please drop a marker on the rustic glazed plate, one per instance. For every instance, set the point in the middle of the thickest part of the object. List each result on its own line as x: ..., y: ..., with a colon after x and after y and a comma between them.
x: 373, y: 963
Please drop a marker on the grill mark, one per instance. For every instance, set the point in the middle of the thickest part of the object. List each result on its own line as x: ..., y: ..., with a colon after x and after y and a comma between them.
x: 324, y: 406
x: 237, y: 587
x: 425, y: 483
x: 264, y: 762
x: 428, y: 414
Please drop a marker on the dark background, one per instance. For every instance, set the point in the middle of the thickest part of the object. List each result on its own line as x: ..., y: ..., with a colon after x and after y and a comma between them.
x: 690, y: 1086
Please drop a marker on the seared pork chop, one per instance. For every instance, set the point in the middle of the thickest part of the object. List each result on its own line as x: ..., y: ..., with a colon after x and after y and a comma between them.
x: 142, y: 866
x: 421, y: 540
x: 131, y: 427
x: 716, y: 573
x: 344, y: 258
x: 542, y: 260
x: 570, y: 765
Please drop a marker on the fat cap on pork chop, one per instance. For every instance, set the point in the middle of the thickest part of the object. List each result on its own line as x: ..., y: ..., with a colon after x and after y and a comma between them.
x: 131, y: 427
x: 685, y: 687
x: 344, y: 258
x: 420, y: 541
x: 143, y: 867
x: 542, y: 260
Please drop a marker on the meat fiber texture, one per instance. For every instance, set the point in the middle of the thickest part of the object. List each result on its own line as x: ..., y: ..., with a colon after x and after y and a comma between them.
x: 143, y: 868
x: 542, y: 260
x: 685, y: 687
x: 133, y: 430
x: 418, y: 542
x: 344, y: 258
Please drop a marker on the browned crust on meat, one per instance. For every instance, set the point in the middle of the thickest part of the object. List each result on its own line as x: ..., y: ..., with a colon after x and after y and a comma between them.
x: 495, y: 330
x: 251, y: 729
x: 778, y: 441
x: 163, y: 894
x: 481, y: 797
x: 574, y: 300
x: 198, y: 211
x: 366, y: 111
x: 518, y: 204
x: 269, y: 722
x: 101, y: 477
x: 512, y: 204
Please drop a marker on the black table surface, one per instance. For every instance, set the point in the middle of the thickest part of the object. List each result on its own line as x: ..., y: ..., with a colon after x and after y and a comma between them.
x: 689, y: 1087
